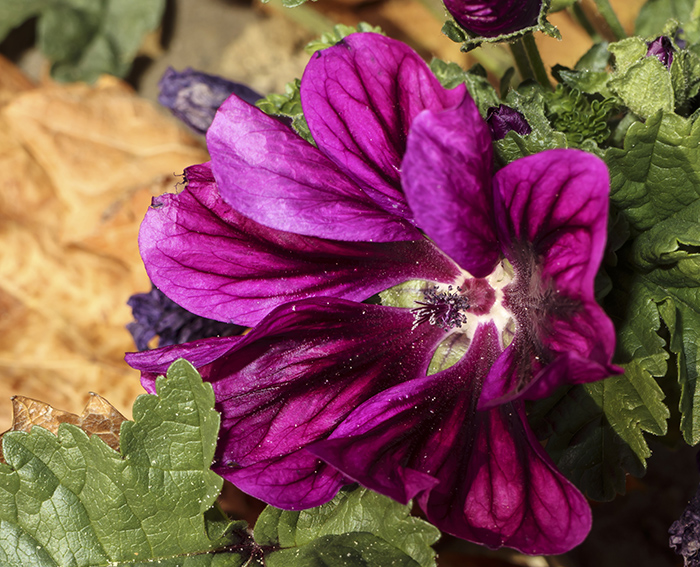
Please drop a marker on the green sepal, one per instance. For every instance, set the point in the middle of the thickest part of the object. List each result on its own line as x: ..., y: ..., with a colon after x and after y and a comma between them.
x: 643, y: 83
x: 529, y: 100
x: 70, y: 500
x: 357, y: 528
x: 289, y: 106
x: 337, y: 34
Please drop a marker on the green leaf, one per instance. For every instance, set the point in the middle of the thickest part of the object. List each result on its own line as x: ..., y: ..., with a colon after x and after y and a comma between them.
x: 580, y: 117
x: 14, y: 12
x: 655, y: 13
x: 685, y: 77
x: 596, y: 431
x: 596, y: 59
x: 643, y: 83
x: 358, y: 527
x: 289, y: 106
x: 70, y: 500
x: 657, y: 172
x: 82, y: 38
x: 63, y: 32
x: 336, y: 35
x: 655, y: 184
x: 669, y: 255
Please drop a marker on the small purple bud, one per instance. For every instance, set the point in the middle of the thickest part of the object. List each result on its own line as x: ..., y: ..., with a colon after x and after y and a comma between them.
x: 680, y: 42
x: 502, y: 119
x: 685, y: 533
x: 491, y: 18
x: 195, y: 97
x: 662, y: 49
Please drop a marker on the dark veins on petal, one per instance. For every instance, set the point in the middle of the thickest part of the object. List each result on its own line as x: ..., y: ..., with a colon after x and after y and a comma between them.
x: 532, y: 302
x: 155, y: 314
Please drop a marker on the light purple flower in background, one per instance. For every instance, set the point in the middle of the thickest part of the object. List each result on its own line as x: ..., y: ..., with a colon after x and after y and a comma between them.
x: 194, y: 97
x: 490, y: 298
x: 157, y: 315
x: 491, y: 18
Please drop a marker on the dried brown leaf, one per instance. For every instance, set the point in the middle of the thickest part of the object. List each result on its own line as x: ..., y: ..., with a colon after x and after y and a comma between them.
x: 98, y: 418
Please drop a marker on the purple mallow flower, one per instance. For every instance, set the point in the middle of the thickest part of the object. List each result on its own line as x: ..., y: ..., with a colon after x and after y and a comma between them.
x: 662, y: 49
x: 487, y: 298
x: 194, y: 97
x: 491, y: 18
x: 157, y: 315
x: 503, y: 119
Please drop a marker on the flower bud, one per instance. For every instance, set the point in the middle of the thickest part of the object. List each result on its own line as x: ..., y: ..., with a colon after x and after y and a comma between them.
x: 491, y: 18
x: 194, y: 97
x: 502, y: 119
x: 662, y: 49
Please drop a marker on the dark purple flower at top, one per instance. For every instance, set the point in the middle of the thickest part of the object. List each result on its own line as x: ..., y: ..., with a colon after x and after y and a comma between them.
x: 503, y: 119
x: 194, y: 97
x: 487, y: 298
x: 685, y: 533
x: 157, y: 315
x: 491, y: 18
x: 662, y: 49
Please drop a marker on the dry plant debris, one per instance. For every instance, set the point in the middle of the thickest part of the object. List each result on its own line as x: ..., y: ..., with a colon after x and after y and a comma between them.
x: 79, y: 166
x: 98, y: 418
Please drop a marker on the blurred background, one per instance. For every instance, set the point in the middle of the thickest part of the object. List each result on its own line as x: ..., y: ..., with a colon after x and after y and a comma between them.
x: 80, y: 162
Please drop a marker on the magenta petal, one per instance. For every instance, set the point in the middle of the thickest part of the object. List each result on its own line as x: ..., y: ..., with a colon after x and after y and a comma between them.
x: 301, y: 372
x: 397, y: 442
x: 481, y: 476
x: 293, y: 482
x: 271, y: 175
x: 154, y: 363
x: 553, y: 207
x: 447, y: 180
x: 511, y: 493
x: 360, y: 98
x: 551, y: 212
x: 217, y: 263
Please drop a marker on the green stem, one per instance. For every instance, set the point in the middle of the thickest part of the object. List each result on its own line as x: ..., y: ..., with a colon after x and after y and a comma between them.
x: 585, y: 23
x: 533, y: 54
x: 521, y: 60
x: 608, y: 14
